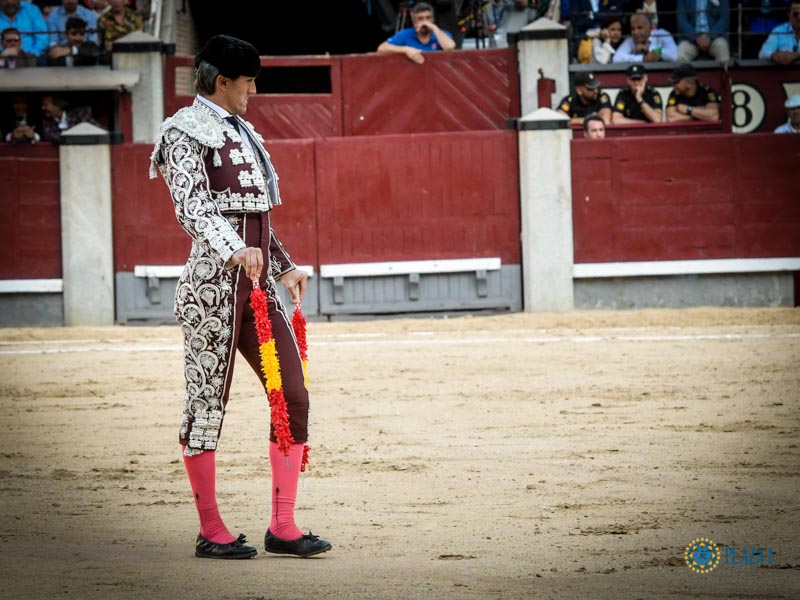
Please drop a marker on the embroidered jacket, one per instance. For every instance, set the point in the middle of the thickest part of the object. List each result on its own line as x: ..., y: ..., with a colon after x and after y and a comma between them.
x: 210, y: 173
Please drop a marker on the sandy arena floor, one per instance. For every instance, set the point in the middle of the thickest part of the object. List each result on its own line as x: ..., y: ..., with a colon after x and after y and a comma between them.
x: 549, y: 456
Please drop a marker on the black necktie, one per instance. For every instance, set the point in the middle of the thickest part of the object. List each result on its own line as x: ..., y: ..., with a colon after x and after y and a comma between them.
x: 234, y: 122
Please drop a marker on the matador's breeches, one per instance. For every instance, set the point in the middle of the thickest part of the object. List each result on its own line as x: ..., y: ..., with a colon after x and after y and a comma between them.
x: 212, y: 305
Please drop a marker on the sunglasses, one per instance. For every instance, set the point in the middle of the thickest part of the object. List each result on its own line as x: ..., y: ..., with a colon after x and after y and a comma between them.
x: 10, y: 40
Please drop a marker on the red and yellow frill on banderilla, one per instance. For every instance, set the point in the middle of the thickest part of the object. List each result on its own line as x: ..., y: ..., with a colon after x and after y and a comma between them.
x: 270, y: 365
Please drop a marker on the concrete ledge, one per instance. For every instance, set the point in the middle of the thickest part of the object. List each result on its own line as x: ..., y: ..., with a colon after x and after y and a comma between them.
x: 47, y: 79
x: 523, y: 125
x: 684, y: 267
x: 31, y: 309
x: 459, y: 265
x: 31, y: 286
x: 685, y: 291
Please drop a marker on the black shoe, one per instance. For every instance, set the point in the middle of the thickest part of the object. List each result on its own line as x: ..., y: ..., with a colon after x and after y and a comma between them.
x: 307, y: 545
x: 235, y: 550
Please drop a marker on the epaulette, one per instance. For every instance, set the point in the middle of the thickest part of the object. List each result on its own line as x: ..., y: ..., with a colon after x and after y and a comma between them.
x: 197, y: 124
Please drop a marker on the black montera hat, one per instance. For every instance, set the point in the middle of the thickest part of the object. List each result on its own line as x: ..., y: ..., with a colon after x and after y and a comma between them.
x: 232, y: 56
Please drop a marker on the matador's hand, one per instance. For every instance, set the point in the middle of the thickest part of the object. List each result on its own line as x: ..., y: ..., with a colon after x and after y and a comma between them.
x: 251, y: 259
x: 295, y: 281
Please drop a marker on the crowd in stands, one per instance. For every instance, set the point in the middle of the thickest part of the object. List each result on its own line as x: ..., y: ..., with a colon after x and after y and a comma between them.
x: 626, y: 31
x: 63, y: 33
x: 681, y: 30
x: 703, y: 32
x: 69, y: 33
x: 41, y: 118
x: 57, y: 33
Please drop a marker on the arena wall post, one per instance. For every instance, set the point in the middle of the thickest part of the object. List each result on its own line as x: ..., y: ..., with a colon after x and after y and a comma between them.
x: 542, y: 45
x: 141, y: 52
x: 87, y: 248
x: 545, y: 185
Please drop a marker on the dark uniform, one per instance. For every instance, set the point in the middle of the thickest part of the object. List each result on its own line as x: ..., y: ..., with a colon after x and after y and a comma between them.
x: 704, y: 95
x: 627, y: 105
x: 575, y: 108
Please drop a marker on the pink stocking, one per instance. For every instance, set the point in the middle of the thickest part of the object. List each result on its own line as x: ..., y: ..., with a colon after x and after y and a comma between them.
x: 201, y: 469
x: 285, y: 475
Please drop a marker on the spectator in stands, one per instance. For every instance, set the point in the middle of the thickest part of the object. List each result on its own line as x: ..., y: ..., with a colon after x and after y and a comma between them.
x: 646, y: 44
x: 20, y: 127
x: 691, y: 100
x: 594, y: 127
x: 59, y: 116
x: 119, y: 21
x: 792, y: 125
x: 77, y: 51
x: 424, y: 36
x: 100, y: 7
x: 639, y: 102
x: 12, y: 56
x: 587, y: 18
x: 587, y: 99
x: 25, y: 17
x: 703, y: 30
x: 57, y: 22
x: 47, y: 6
x: 607, y: 41
x: 760, y: 17
x: 783, y: 44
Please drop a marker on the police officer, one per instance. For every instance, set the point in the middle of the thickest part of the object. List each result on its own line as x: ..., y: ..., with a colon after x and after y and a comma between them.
x: 639, y: 103
x: 587, y: 99
x: 690, y: 99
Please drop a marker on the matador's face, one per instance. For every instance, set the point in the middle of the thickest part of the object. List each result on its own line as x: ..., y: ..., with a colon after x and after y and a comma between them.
x: 237, y: 93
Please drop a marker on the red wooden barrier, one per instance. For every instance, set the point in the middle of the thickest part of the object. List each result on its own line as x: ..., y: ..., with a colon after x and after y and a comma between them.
x: 146, y: 231
x: 377, y: 95
x: 685, y: 197
x: 454, y: 91
x: 418, y: 197
x: 277, y: 116
x: 372, y: 198
x: 30, y: 222
x: 655, y: 129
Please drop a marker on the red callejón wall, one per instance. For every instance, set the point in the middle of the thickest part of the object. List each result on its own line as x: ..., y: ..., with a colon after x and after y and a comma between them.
x: 30, y: 222
x: 146, y: 231
x: 686, y: 197
x: 351, y: 200
x: 418, y: 197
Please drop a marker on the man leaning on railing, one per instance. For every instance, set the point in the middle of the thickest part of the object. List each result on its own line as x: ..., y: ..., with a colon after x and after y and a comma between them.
x: 782, y: 45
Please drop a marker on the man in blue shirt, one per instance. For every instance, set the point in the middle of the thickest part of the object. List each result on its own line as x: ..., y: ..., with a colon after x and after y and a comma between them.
x: 25, y: 17
x: 57, y: 22
x: 424, y: 36
x: 703, y: 30
x: 783, y: 44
